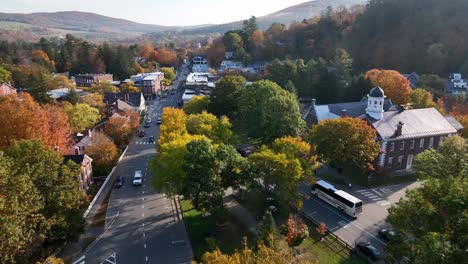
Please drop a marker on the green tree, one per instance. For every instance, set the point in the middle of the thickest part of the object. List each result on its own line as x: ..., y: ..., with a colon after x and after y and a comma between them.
x: 249, y: 27
x: 432, y: 82
x: 242, y: 55
x: 203, y: 176
x: 266, y: 229
x: 20, y: 207
x: 72, y: 96
x: 232, y: 41
x: 421, y: 98
x: 234, y: 168
x: 290, y: 87
x: 169, y: 73
x: 5, y: 75
x: 129, y: 88
x: 59, y: 190
x: 103, y: 87
x: 216, y: 129
x: 269, y: 112
x: 81, y: 116
x: 276, y: 169
x: 225, y: 96
x: 450, y: 159
x: 39, y: 87
x: 197, y: 105
x: 345, y: 142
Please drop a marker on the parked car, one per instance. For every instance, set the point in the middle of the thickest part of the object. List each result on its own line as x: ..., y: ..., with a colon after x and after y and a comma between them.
x: 367, y: 250
x: 173, y: 92
x: 119, y: 182
x: 151, y: 139
x: 386, y: 234
x: 158, y: 121
x: 137, y: 178
x: 141, y: 133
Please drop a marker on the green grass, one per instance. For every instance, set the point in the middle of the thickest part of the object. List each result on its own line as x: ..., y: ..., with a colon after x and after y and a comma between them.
x: 326, y: 255
x: 228, y: 238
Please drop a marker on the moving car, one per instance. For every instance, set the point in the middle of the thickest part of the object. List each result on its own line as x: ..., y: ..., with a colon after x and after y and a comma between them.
x: 387, y: 234
x: 151, y: 139
x: 367, y: 250
x: 158, y: 121
x: 119, y: 182
x: 137, y: 178
x: 141, y: 133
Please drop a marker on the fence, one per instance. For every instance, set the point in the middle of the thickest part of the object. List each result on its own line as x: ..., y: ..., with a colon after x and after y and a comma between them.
x: 103, y: 186
x: 342, y: 249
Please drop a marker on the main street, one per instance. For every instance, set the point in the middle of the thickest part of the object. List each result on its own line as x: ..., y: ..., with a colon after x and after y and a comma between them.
x: 142, y: 226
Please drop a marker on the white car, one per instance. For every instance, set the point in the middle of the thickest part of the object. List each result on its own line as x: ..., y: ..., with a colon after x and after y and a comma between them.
x: 137, y: 179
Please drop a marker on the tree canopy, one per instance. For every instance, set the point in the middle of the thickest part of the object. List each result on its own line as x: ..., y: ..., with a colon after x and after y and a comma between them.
x: 197, y: 105
x: 225, y: 96
x: 81, y: 116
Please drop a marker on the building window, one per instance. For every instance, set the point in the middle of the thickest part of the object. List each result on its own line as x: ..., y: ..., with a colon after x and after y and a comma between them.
x: 390, y: 162
x: 441, y: 140
x: 392, y: 146
x: 421, y: 143
x: 412, y: 144
x: 402, y: 145
x: 400, y: 160
x: 431, y: 142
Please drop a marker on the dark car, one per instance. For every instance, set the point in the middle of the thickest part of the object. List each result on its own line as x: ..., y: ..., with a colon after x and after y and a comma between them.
x: 368, y: 250
x: 147, y: 125
x: 387, y: 234
x: 119, y: 182
x: 158, y: 121
x: 141, y: 133
x: 151, y: 139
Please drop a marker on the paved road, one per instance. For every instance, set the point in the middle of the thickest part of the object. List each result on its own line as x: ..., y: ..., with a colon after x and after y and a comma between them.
x: 142, y: 226
x: 365, y: 228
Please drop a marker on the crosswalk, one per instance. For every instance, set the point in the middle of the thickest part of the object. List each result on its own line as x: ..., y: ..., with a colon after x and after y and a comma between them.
x: 374, y: 196
x: 144, y: 143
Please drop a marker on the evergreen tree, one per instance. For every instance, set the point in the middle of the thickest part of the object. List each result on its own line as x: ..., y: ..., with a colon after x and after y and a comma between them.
x: 267, y: 230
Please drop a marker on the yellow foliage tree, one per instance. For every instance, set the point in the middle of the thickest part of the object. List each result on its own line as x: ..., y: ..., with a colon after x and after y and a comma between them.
x: 173, y: 125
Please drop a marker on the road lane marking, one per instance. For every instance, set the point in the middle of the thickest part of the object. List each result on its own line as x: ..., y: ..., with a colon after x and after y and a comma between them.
x: 372, y: 196
x: 144, y: 245
x: 376, y: 199
x: 385, y: 203
x: 175, y: 242
x: 142, y: 207
x: 144, y: 234
x: 359, y: 191
x: 146, y: 258
x: 143, y: 224
x: 142, y: 215
x: 376, y: 192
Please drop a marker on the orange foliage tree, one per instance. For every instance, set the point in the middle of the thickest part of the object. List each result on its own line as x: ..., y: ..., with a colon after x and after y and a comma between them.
x: 103, y: 152
x: 23, y: 118
x: 145, y: 50
x: 395, y: 85
x: 122, y: 127
x: 297, y: 231
x: 167, y: 56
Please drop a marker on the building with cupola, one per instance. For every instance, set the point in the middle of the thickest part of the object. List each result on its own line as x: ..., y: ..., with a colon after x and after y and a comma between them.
x: 402, y: 133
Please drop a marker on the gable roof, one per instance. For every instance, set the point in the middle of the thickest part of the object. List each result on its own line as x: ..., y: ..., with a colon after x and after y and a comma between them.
x: 355, y: 109
x: 416, y: 123
x: 133, y: 99
x: 6, y: 89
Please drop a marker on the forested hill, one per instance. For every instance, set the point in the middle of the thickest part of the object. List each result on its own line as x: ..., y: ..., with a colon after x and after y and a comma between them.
x: 286, y: 16
x: 429, y: 36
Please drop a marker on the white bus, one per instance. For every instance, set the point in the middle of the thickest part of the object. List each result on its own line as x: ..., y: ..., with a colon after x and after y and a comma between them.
x: 339, y: 199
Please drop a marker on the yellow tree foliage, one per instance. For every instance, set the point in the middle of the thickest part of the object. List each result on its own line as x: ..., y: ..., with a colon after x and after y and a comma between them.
x: 216, y: 129
x: 395, y: 85
x: 421, y: 98
x: 197, y: 104
x: 295, y: 147
x: 103, y: 152
x: 173, y: 125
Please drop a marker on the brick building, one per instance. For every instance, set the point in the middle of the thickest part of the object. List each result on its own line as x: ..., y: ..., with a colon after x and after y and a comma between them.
x: 86, y: 80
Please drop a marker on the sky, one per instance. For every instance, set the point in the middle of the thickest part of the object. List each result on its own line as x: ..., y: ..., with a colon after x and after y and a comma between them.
x: 159, y: 12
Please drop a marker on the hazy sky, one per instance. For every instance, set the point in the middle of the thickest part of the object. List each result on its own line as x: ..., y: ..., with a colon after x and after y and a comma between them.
x: 161, y: 12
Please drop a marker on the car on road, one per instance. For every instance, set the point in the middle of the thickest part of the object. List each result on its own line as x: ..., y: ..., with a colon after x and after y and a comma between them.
x: 173, y: 92
x: 387, y: 234
x: 137, y: 178
x: 151, y: 139
x: 367, y: 250
x: 147, y: 125
x: 119, y: 182
x: 158, y: 121
x: 141, y: 133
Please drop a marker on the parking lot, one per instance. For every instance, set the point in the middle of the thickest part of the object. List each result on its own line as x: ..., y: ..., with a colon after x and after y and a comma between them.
x: 376, y: 202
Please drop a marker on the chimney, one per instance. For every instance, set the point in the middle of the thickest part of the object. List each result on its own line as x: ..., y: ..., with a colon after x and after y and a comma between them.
x: 77, y: 151
x: 344, y: 113
x: 399, y: 129
x: 89, y: 133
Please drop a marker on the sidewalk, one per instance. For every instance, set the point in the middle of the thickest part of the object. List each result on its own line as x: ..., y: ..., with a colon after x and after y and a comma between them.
x: 239, y: 212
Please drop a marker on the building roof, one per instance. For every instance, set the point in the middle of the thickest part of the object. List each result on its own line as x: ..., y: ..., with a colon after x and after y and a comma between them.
x: 416, y: 123
x: 6, y: 89
x: 133, y: 99
x: 376, y: 92
x: 63, y: 92
x: 413, y: 79
x: 454, y: 122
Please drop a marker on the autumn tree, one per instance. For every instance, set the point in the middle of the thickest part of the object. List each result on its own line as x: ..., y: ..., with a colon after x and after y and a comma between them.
x: 217, y: 129
x: 41, y: 58
x: 215, y: 53
x: 81, y: 116
x: 276, y: 169
x: 173, y: 125
x: 122, y: 127
x: 225, y: 96
x: 269, y: 112
x: 145, y: 50
x: 197, y: 105
x: 169, y: 74
x: 421, y: 98
x: 395, y: 85
x: 62, y: 81
x: 167, y: 57
x: 22, y: 118
x: 296, y: 148
x: 96, y: 100
x: 345, y: 142
x: 129, y: 88
x: 297, y: 231
x: 103, y: 87
x: 103, y: 152
x: 463, y: 119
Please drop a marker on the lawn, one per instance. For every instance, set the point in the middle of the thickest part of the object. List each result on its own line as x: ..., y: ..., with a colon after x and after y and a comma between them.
x: 326, y: 255
x: 228, y: 238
